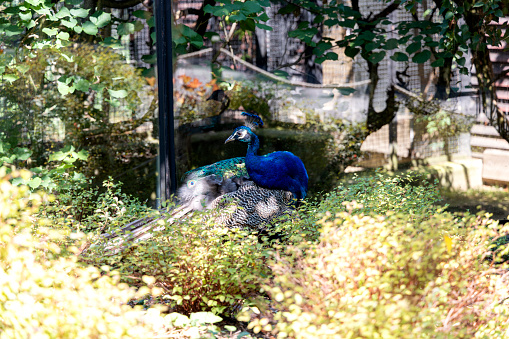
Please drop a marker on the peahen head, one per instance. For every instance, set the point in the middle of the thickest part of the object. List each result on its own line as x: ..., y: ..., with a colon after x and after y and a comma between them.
x: 242, y: 133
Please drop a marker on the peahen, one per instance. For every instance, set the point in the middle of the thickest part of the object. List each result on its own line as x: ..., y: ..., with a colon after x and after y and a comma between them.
x: 225, y: 189
x: 277, y: 170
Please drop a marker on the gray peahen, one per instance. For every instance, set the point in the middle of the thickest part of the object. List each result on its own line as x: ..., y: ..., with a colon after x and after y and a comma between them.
x: 225, y: 189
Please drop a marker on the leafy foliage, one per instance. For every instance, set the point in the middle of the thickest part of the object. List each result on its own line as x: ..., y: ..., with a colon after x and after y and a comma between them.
x: 393, y: 277
x: 198, y: 266
x: 46, y: 291
x: 409, y: 193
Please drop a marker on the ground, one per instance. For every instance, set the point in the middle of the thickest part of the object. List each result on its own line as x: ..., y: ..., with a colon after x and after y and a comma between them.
x: 492, y: 200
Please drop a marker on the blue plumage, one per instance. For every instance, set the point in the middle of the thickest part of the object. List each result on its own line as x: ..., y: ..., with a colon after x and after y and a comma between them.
x: 277, y: 170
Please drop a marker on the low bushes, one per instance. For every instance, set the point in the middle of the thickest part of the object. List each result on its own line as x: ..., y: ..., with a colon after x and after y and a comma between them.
x: 198, y: 266
x: 45, y: 293
x: 392, y: 276
x: 389, y: 265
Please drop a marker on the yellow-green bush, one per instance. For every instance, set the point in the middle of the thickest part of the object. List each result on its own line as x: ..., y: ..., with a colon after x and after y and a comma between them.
x: 391, y: 277
x: 44, y: 292
x: 199, y: 266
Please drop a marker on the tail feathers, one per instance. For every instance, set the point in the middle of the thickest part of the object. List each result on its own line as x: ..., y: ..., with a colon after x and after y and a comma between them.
x: 140, y: 230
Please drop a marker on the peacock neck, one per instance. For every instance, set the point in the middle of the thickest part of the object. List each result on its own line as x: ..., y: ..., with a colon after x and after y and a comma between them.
x: 254, y: 145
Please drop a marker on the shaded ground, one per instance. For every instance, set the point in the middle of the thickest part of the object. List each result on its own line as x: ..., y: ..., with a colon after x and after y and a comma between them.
x: 494, y: 201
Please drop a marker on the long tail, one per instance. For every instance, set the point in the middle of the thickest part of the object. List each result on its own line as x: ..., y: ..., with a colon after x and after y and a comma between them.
x: 140, y: 230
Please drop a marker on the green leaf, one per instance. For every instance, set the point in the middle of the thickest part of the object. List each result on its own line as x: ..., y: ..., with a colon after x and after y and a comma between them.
x: 399, y: 56
x: 34, y: 182
x: 25, y: 16
x: 13, y: 30
x: 125, y: 28
x: 22, y: 153
x: 100, y: 19
x: 413, y: 47
x: 63, y: 13
x: 251, y: 7
x: 82, y: 155
x: 82, y: 85
x: 138, y: 26
x: 290, y: 8
x: 71, y: 23
x: 63, y: 36
x: 151, y: 22
x: 370, y: 46
x: 112, y: 42
x: 90, y: 28
x: 18, y: 181
x: 79, y: 12
x: 376, y: 57
x: 118, y: 94
x: 140, y: 14
x: 263, y: 26
x: 50, y: 31
x: 438, y: 63
x: 448, y: 15
x: 23, y: 68
x: 391, y: 44
x: 479, y: 4
x: 10, y: 77
x: 64, y: 89
x: 351, y: 52
x: 421, y: 57
x: 237, y: 17
x: 149, y: 58
x: 73, y: 2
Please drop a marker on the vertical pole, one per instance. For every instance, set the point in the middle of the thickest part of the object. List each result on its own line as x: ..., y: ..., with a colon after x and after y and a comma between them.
x: 167, y: 172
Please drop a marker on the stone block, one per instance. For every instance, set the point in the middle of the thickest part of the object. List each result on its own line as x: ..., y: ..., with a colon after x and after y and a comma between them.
x: 496, y: 166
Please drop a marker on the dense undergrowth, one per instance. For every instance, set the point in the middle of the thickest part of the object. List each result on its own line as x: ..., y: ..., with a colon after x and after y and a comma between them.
x: 375, y: 257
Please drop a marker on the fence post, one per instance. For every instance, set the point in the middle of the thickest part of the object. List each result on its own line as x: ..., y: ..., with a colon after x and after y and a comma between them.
x: 167, y: 167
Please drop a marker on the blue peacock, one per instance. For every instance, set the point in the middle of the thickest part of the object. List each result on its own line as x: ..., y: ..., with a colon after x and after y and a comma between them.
x: 277, y: 170
x: 216, y: 187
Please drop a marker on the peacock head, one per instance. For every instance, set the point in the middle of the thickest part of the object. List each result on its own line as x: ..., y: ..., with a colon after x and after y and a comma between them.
x: 245, y: 133
x: 242, y: 133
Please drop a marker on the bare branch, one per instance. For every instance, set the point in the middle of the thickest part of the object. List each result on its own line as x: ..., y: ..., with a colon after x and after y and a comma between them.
x: 388, y: 10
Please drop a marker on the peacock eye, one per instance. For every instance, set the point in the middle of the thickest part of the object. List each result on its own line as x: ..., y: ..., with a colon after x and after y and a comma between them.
x: 191, y: 183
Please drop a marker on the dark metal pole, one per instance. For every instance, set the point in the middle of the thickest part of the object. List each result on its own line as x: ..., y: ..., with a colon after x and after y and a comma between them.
x: 167, y: 171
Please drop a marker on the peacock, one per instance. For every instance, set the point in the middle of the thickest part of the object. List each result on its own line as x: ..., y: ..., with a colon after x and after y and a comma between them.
x: 277, y: 170
x: 225, y: 189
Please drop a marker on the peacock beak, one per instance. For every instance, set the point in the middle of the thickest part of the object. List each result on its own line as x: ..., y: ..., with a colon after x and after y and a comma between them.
x: 230, y: 138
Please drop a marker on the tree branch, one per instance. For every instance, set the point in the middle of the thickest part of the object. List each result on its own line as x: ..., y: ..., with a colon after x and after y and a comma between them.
x: 388, y: 10
x: 121, y: 4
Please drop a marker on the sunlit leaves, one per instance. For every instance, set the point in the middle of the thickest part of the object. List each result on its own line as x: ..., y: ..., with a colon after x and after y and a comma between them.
x: 90, y: 28
x: 120, y: 94
x: 79, y: 12
x: 100, y: 19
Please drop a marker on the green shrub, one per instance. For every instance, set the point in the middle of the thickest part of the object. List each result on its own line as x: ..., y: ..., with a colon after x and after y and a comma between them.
x: 44, y: 292
x: 376, y: 194
x: 391, y: 277
x: 200, y: 267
